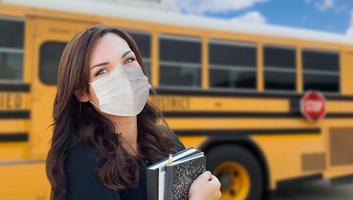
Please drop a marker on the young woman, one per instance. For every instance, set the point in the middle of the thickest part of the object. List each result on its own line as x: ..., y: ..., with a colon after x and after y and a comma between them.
x: 105, y: 131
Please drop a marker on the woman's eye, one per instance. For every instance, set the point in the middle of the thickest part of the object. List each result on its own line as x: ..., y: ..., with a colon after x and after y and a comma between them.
x: 101, y: 71
x: 130, y: 59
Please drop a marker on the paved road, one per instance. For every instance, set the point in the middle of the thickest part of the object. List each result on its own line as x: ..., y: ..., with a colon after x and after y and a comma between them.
x: 320, y: 190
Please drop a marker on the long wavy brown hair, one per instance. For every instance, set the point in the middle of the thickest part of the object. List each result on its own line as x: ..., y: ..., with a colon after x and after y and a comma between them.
x: 78, y: 122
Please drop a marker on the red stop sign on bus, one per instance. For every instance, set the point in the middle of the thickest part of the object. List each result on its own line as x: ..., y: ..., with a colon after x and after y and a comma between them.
x: 312, y: 105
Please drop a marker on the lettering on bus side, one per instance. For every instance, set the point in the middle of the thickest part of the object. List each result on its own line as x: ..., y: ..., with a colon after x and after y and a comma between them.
x: 171, y: 103
x: 10, y: 101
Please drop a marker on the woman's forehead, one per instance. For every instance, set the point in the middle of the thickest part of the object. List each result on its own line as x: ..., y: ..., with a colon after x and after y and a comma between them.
x: 108, y: 47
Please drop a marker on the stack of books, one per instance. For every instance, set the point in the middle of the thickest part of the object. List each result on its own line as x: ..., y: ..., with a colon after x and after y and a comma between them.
x: 171, y: 178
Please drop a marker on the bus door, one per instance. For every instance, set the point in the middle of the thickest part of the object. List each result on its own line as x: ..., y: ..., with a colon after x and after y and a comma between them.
x: 27, y: 88
x: 50, y: 38
x: 340, y: 159
x: 14, y: 104
x: 14, y: 91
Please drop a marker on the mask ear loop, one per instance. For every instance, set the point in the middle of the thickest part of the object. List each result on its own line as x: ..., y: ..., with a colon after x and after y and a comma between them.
x: 89, y: 99
x: 93, y: 103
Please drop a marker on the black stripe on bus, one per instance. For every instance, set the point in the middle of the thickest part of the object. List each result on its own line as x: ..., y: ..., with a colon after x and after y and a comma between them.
x: 18, y: 114
x: 241, y: 94
x: 217, y: 114
x: 339, y: 115
x: 298, y: 180
x: 295, y: 108
x: 14, y: 87
x: 13, y: 137
x: 347, y: 179
x: 244, y: 132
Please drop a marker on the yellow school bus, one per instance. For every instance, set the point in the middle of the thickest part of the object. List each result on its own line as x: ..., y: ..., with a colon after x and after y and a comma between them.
x: 231, y: 89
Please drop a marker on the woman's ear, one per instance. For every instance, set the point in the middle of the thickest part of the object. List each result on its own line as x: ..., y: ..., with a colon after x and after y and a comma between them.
x: 82, y: 96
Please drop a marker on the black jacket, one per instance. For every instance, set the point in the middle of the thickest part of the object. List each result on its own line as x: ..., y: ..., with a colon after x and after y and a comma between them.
x: 83, y: 183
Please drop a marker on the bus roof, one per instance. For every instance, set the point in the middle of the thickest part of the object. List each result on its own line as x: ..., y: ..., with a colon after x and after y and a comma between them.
x: 115, y: 9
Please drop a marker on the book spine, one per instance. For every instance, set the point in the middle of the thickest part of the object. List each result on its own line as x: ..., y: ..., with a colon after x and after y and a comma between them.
x: 152, y: 184
x: 169, y: 174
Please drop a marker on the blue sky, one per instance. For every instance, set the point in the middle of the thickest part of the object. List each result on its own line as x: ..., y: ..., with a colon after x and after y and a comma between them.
x: 323, y: 15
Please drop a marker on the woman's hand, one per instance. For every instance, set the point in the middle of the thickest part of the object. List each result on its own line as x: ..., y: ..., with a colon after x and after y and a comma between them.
x: 205, y: 187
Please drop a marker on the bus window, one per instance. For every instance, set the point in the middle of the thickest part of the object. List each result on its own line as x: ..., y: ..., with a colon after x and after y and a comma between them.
x: 180, y: 61
x: 11, y: 50
x: 321, y: 71
x: 143, y: 40
x: 50, y: 54
x: 279, y: 68
x: 232, y: 65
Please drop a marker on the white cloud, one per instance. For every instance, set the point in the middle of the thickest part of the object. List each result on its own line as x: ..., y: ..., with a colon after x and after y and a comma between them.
x: 322, y: 5
x: 325, y: 5
x: 214, y: 6
x: 253, y: 17
x: 350, y: 28
x: 341, y: 8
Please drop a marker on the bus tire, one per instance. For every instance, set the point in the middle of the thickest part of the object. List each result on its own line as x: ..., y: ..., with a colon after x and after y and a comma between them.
x: 238, y: 170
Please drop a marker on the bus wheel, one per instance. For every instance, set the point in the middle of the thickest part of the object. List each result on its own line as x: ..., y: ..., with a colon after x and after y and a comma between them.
x: 238, y: 170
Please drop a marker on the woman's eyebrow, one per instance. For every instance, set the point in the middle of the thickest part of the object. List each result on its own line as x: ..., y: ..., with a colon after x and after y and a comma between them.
x: 100, y: 64
x: 126, y: 53
x: 105, y: 63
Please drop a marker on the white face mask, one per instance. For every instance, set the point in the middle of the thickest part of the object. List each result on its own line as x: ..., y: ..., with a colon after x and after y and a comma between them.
x: 123, y: 92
